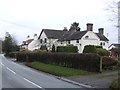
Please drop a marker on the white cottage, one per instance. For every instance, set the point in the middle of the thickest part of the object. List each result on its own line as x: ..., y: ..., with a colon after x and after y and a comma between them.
x: 48, y: 37
x: 34, y: 44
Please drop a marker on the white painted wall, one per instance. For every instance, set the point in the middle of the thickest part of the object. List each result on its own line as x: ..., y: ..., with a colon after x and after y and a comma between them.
x: 91, y: 40
x: 104, y: 46
x: 35, y: 44
x: 50, y: 42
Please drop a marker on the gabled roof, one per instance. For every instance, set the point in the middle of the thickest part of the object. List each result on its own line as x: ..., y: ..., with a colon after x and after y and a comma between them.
x: 52, y: 34
x: 68, y: 35
x: 116, y: 45
x: 102, y: 37
x: 76, y: 35
x: 27, y: 42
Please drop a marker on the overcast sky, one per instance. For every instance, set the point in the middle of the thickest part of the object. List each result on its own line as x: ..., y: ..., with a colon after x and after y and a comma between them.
x: 27, y: 17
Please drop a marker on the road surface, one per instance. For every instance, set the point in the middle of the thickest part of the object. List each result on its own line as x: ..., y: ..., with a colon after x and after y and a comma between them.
x: 15, y: 75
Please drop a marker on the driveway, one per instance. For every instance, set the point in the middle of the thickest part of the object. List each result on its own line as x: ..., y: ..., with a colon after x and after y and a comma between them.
x: 100, y: 80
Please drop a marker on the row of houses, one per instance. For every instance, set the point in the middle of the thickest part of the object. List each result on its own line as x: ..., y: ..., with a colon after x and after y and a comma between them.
x: 50, y: 37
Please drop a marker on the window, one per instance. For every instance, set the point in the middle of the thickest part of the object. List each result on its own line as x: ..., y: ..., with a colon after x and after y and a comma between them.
x: 77, y: 41
x: 86, y: 37
x: 101, y: 43
x: 68, y: 42
x: 45, y: 40
x: 40, y: 40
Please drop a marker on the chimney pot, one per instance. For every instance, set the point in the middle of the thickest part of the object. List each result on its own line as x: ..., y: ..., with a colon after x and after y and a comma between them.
x: 101, y: 30
x: 89, y: 27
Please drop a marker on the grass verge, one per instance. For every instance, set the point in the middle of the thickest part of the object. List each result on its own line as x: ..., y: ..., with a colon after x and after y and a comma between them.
x: 56, y: 70
x: 115, y: 84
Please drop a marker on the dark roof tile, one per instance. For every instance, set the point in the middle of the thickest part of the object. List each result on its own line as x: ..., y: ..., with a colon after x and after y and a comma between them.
x: 102, y: 37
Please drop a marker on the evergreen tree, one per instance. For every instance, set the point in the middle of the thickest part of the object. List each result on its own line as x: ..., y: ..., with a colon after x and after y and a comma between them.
x: 9, y: 45
x: 75, y: 26
x: 53, y: 48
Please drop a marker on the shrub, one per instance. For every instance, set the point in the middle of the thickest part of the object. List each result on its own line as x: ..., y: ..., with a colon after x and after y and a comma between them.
x: 89, y: 49
x: 107, y: 62
x: 53, y: 48
x: 102, y: 52
x: 115, y: 85
x: 67, y: 49
x: 98, y: 46
x: 89, y: 62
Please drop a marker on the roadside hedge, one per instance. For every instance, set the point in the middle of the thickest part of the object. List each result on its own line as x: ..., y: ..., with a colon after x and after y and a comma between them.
x: 89, y: 62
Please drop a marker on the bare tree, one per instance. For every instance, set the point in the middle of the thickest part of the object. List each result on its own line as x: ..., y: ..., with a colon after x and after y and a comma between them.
x: 113, y: 9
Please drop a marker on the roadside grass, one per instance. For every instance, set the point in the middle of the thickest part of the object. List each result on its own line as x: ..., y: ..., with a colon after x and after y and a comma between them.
x: 56, y: 70
x: 115, y: 84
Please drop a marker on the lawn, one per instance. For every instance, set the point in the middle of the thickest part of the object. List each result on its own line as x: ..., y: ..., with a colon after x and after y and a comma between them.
x: 56, y: 70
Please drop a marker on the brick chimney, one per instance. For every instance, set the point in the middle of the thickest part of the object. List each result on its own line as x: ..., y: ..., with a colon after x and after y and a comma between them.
x: 35, y: 37
x: 101, y: 30
x: 89, y: 27
x: 65, y: 30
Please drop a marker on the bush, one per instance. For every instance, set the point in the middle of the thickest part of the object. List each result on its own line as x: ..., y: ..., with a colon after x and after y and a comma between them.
x: 107, y: 62
x: 67, y: 49
x: 89, y: 49
x: 102, y: 52
x: 115, y: 85
x: 89, y: 62
x: 53, y: 48
x: 96, y: 49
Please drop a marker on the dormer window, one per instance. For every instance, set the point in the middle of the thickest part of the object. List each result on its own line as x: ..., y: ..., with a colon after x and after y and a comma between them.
x: 77, y: 41
x: 86, y: 37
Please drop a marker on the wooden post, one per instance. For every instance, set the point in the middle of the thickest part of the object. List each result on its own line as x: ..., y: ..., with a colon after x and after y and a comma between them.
x: 27, y: 58
x: 101, y: 64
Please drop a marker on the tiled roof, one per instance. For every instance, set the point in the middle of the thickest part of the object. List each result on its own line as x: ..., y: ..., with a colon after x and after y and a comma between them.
x: 68, y: 35
x: 102, y: 37
x: 52, y: 34
x: 76, y: 35
x: 27, y: 42
x: 116, y: 45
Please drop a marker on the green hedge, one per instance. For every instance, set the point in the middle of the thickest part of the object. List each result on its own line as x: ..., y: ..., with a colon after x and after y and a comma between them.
x: 102, y: 52
x: 96, y: 49
x: 89, y: 49
x: 89, y: 62
x: 67, y: 49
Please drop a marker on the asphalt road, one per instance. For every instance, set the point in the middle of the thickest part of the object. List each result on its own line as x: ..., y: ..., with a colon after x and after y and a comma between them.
x: 15, y: 75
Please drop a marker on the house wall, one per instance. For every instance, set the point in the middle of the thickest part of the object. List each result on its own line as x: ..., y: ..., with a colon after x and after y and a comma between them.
x: 35, y: 44
x: 104, y: 44
x: 49, y: 42
x: 91, y: 39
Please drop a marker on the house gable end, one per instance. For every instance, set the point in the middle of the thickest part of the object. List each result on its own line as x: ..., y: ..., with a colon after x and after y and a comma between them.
x: 90, y: 35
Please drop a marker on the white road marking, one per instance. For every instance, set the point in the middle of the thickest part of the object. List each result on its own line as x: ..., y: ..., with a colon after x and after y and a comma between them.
x: 2, y: 64
x: 33, y: 83
x: 11, y: 70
